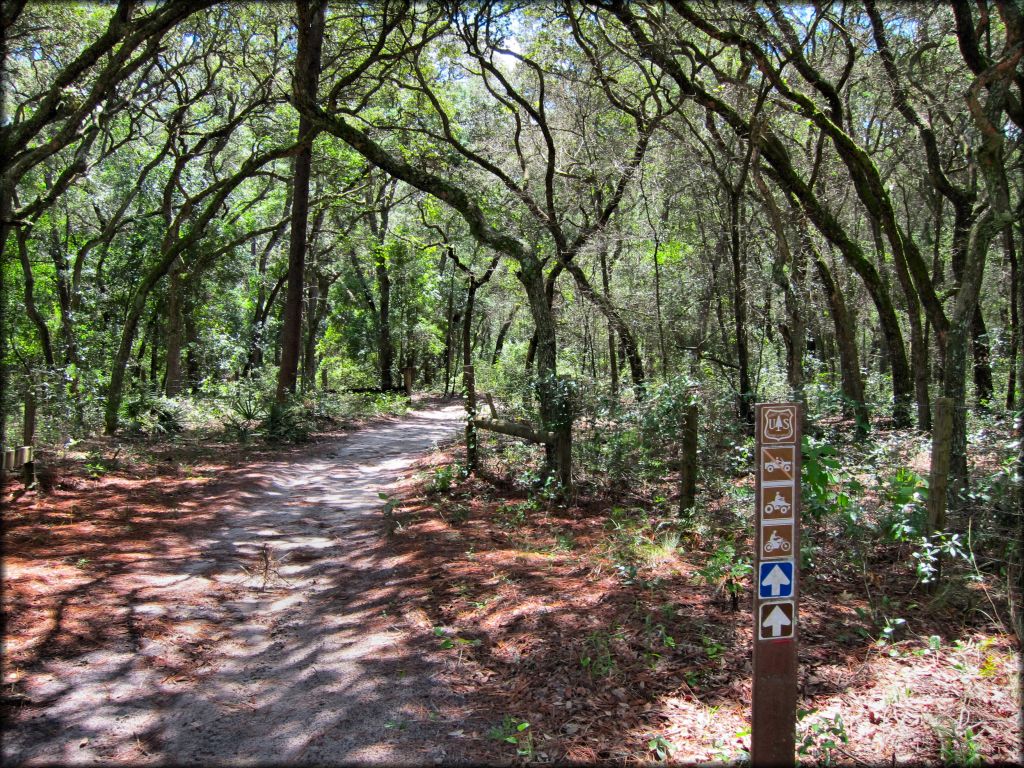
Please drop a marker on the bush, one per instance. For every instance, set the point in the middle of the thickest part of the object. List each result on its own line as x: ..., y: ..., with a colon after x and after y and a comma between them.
x: 153, y: 414
x: 288, y: 422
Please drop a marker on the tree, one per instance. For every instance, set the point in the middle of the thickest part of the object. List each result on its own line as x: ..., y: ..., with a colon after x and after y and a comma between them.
x: 311, y: 17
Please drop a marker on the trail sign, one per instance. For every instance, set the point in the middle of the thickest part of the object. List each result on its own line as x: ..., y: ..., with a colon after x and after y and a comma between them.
x: 775, y: 579
x: 776, y: 621
x: 777, y: 540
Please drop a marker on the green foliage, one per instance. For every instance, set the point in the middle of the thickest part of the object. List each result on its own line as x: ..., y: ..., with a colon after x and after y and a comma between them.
x: 727, y: 570
x: 596, y: 658
x: 152, y: 414
x: 818, y: 474
x: 94, y: 465
x: 447, y: 642
x: 514, y: 731
x: 248, y: 409
x: 820, y: 737
x: 661, y: 747
x: 633, y: 442
x: 287, y: 422
x: 930, y: 549
x: 958, y: 745
x: 906, y: 493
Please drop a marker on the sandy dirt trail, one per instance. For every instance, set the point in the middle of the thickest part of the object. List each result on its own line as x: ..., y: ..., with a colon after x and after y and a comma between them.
x: 286, y: 616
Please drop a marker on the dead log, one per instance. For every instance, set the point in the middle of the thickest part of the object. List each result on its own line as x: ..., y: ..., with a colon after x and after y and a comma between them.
x: 515, y: 429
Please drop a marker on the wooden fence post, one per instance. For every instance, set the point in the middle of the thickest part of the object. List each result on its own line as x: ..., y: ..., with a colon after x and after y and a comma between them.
x: 469, y: 383
x: 688, y: 460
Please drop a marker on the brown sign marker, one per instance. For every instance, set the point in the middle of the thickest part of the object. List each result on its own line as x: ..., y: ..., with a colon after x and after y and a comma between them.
x: 777, y: 501
x: 777, y: 545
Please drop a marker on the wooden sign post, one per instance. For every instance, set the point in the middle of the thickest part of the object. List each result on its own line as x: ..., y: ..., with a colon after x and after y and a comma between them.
x: 776, y: 591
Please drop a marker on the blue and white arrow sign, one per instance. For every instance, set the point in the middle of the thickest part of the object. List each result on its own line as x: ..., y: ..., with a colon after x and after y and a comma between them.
x: 775, y: 579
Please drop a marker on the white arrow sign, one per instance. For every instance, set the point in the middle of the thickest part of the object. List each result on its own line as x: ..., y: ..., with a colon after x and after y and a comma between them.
x: 776, y: 620
x: 775, y: 580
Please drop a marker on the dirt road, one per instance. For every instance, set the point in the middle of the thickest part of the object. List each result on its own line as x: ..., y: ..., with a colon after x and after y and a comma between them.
x: 281, y: 636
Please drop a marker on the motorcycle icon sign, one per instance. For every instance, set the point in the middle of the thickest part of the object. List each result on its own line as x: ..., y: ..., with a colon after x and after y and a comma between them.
x: 776, y: 542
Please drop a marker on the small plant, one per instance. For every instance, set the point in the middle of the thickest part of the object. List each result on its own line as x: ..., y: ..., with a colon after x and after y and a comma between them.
x: 712, y: 647
x: 287, y: 422
x: 247, y: 411
x: 820, y: 737
x: 889, y: 630
x: 447, y: 642
x: 597, y: 657
x: 658, y: 631
x: 661, y: 747
x: 514, y: 731
x: 94, y: 465
x: 564, y: 542
x: 958, y: 745
x: 267, y: 567
x: 930, y: 550
x: 153, y: 414
x: 818, y: 478
x: 445, y: 476
x: 391, y: 523
x: 727, y: 572
x: 906, y: 492
x: 513, y: 515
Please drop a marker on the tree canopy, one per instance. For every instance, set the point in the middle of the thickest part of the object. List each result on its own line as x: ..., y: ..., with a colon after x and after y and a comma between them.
x: 767, y: 201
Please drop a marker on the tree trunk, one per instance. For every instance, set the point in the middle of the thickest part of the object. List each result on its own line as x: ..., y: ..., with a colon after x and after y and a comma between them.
x: 957, y: 339
x: 467, y: 323
x: 603, y: 303
x: 385, y: 347
x: 175, y: 328
x: 1015, y: 309
x: 30, y: 298
x: 499, y: 344
x: 312, y: 323
x: 846, y: 341
x: 311, y: 19
x: 739, y: 300
x: 469, y: 385
x: 553, y: 409
x: 613, y: 363
x: 984, y: 388
x: 5, y: 228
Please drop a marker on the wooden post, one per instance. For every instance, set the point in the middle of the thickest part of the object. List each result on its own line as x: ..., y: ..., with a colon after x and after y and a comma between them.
x: 938, y: 480
x: 28, y: 467
x: 407, y: 374
x: 469, y: 384
x: 25, y: 456
x: 688, y: 460
x: 9, y: 459
x: 563, y: 457
x: 776, y: 589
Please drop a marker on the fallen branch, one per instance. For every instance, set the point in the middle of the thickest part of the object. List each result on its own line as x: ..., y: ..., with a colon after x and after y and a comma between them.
x: 515, y: 429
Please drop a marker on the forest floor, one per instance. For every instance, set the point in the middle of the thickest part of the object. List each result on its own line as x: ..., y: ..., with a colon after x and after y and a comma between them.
x: 580, y: 657
x: 201, y: 602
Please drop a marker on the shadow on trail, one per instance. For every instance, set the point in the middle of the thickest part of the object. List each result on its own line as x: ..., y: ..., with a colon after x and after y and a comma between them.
x: 270, y: 632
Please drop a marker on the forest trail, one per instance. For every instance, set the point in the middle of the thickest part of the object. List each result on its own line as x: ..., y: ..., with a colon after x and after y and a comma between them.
x: 282, y: 639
